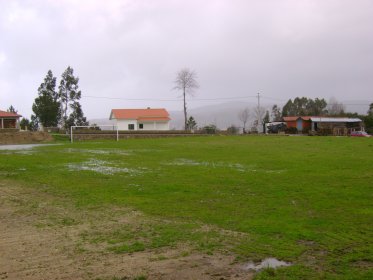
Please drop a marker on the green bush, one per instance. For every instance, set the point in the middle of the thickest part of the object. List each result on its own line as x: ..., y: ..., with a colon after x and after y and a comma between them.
x: 291, y: 130
x: 324, y: 132
x: 209, y: 129
x: 306, y: 130
x: 233, y: 129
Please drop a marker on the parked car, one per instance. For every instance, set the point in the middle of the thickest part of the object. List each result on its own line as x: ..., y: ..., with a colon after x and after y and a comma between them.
x: 360, y: 134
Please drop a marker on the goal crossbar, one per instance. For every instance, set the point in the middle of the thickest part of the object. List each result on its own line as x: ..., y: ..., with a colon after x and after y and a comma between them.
x: 93, y: 126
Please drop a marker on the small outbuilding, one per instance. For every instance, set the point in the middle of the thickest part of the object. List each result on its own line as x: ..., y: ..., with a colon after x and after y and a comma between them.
x: 337, y: 126
x: 299, y: 122
x: 9, y: 120
x: 141, y: 119
x: 326, y: 125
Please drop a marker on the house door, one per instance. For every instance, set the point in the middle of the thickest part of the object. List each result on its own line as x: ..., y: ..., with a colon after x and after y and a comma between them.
x: 299, y: 125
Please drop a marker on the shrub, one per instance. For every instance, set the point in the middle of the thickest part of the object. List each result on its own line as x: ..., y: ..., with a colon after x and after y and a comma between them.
x: 291, y: 130
x: 233, y: 129
x: 209, y: 129
x: 324, y: 131
x: 306, y: 130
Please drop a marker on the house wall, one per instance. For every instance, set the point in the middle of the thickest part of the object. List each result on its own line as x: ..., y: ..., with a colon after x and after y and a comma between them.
x: 299, y: 124
x: 8, y: 123
x: 306, y: 124
x: 123, y: 125
x: 291, y: 124
x: 155, y: 125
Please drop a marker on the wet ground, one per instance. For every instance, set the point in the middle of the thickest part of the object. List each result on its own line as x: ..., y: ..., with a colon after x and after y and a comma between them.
x: 33, y: 247
x: 23, y: 146
x: 266, y: 263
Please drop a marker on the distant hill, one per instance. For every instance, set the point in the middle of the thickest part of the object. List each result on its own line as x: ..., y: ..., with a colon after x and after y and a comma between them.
x: 222, y: 115
x: 101, y: 121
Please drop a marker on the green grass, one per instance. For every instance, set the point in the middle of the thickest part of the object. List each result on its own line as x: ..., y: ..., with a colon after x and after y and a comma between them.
x: 306, y: 200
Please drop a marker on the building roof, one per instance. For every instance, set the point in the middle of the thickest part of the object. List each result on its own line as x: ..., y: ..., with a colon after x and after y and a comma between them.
x: 322, y: 119
x: 4, y: 114
x: 294, y: 118
x: 140, y: 114
x: 335, y: 120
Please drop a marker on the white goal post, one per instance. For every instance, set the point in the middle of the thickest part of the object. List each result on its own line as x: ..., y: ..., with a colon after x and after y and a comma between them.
x: 101, y: 127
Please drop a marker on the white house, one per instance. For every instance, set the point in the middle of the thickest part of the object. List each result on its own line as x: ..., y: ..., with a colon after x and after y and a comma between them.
x: 141, y: 119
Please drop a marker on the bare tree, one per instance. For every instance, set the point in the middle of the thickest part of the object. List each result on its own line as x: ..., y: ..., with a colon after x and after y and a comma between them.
x: 259, y: 113
x: 276, y: 113
x: 335, y: 108
x: 244, y: 116
x: 187, y: 83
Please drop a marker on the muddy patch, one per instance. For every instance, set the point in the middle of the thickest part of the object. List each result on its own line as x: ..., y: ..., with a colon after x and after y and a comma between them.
x: 57, y: 251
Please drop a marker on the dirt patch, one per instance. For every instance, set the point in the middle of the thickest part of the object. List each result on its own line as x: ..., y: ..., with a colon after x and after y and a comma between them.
x: 24, y: 137
x: 38, y: 241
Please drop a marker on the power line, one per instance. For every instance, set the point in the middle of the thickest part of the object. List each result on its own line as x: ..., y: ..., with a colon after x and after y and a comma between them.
x: 205, y: 99
x: 156, y: 99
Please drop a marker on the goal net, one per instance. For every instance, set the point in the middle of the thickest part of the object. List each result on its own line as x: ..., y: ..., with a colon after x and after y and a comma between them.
x: 94, y: 130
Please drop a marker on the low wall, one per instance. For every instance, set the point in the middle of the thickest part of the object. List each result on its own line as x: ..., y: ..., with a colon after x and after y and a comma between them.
x: 134, y: 132
x: 98, y: 136
x: 6, y: 130
x: 24, y: 137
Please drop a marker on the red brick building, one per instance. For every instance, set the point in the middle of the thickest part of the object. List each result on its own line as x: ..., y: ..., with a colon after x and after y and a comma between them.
x: 300, y: 123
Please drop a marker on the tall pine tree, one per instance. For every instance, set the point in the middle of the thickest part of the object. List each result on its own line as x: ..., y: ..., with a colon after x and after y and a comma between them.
x: 11, y: 109
x: 47, y: 106
x: 76, y: 117
x: 69, y: 95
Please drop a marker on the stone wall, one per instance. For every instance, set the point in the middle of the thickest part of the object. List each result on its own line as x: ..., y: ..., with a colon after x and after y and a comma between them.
x: 24, y: 137
x: 97, y: 136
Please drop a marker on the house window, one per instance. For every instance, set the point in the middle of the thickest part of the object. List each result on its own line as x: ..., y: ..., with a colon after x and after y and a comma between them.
x: 141, y: 125
x: 131, y: 126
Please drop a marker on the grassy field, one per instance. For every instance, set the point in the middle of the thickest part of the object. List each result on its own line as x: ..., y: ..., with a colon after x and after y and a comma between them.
x: 304, y: 200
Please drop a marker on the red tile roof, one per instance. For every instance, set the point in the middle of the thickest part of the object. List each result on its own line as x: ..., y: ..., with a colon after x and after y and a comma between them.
x: 140, y: 114
x: 291, y: 119
x: 4, y: 114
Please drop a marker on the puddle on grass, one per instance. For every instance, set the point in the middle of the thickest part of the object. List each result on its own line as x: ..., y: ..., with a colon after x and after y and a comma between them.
x: 98, y: 152
x: 266, y: 263
x: 18, y: 152
x: 23, y: 149
x: 103, y: 167
x: 189, y: 162
x: 234, y: 166
x: 23, y: 146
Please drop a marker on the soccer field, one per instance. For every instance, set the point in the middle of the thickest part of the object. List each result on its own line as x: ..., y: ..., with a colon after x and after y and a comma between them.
x: 307, y: 201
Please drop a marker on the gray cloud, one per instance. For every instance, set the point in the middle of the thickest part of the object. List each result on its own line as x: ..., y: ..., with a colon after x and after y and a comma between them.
x: 133, y: 49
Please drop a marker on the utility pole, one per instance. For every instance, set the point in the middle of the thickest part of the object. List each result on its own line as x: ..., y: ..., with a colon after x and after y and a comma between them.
x: 258, y: 110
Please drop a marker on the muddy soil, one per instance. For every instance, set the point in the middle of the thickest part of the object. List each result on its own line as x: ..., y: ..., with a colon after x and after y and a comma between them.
x: 32, y: 249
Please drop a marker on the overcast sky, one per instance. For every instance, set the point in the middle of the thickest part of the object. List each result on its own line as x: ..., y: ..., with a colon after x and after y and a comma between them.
x: 133, y: 50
